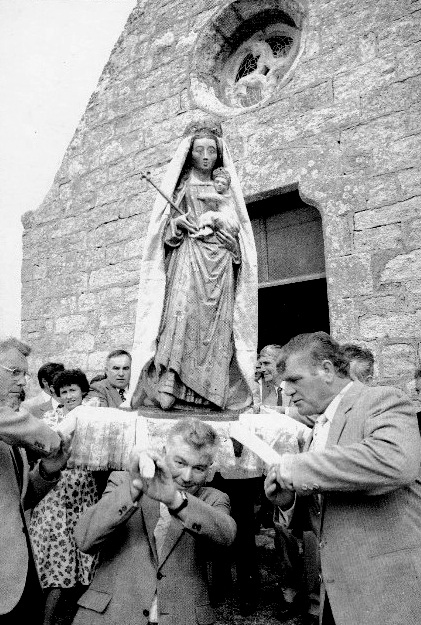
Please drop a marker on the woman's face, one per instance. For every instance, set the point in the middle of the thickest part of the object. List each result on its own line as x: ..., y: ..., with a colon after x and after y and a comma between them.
x: 204, y: 154
x: 71, y: 396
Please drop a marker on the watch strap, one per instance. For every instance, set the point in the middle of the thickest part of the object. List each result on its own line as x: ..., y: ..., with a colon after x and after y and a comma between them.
x: 182, y: 505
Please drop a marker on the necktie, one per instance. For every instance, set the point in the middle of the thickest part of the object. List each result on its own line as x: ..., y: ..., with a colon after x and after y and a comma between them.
x: 320, y: 433
x: 279, y: 396
x: 161, y: 528
x: 121, y: 393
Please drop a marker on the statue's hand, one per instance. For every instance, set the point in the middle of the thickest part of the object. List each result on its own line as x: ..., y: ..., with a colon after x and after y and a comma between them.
x: 227, y: 241
x: 182, y: 223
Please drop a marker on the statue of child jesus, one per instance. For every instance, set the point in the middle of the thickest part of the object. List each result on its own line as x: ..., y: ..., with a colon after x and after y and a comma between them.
x: 221, y: 215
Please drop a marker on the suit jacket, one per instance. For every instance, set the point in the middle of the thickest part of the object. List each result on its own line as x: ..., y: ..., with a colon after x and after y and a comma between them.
x: 369, y: 515
x: 130, y: 572
x: 269, y: 394
x: 108, y: 394
x: 40, y: 410
x: 19, y: 489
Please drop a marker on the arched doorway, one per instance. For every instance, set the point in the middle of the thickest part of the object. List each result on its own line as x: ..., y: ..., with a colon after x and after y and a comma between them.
x: 291, y: 268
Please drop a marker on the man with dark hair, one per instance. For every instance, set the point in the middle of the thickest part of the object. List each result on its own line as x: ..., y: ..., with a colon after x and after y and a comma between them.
x: 46, y: 400
x: 20, y: 592
x: 111, y: 391
x: 361, y: 362
x: 156, y: 526
x: 357, y: 485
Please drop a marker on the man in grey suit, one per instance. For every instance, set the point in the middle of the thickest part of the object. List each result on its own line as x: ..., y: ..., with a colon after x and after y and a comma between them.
x: 111, y: 391
x: 357, y: 485
x: 46, y: 400
x: 156, y: 527
x: 20, y: 592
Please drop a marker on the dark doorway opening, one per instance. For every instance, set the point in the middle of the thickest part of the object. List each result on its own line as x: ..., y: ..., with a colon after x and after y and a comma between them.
x: 291, y: 309
x: 291, y: 267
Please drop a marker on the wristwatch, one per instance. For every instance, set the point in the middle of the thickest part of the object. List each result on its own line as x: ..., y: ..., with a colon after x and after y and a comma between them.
x: 182, y: 505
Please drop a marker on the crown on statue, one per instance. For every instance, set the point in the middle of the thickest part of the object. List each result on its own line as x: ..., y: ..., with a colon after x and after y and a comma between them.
x: 203, y: 127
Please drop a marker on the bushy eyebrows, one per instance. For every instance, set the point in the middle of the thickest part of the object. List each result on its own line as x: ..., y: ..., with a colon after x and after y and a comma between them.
x: 292, y: 378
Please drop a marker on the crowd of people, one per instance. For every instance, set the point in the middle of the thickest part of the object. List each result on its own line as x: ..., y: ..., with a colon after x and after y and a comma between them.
x: 138, y: 547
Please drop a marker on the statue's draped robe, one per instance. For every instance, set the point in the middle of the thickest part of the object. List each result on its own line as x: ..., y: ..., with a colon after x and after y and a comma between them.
x: 195, y: 343
x: 154, y: 300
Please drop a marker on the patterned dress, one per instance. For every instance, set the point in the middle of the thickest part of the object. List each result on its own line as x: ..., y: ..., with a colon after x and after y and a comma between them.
x: 59, y: 562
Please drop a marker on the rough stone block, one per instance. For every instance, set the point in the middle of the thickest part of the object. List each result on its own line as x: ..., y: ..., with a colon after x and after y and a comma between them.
x: 383, y: 190
x: 379, y: 305
x: 410, y: 181
x: 82, y: 341
x: 376, y: 73
x: 382, y: 237
x: 125, y: 272
x: 70, y: 323
x: 396, y: 325
x: 408, y: 61
x: 124, y: 250
x: 396, y: 213
x: 413, y: 234
x: 403, y: 267
x: 96, y: 360
x: 343, y: 319
x: 110, y: 318
x: 394, y: 97
x: 349, y: 276
x: 404, y: 153
x: 398, y: 360
x: 118, y: 336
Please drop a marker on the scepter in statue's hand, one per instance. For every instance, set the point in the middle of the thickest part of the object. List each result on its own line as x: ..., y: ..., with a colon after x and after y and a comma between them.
x: 147, y: 176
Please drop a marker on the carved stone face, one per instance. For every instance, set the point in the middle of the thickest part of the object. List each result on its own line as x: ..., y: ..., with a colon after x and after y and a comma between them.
x: 204, y: 154
x: 221, y: 184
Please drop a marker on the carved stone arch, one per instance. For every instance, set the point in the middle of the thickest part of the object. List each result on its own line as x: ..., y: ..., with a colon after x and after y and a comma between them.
x: 245, y: 53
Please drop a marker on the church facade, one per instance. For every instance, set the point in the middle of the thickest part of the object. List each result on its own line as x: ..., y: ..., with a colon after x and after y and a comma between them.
x: 320, y: 105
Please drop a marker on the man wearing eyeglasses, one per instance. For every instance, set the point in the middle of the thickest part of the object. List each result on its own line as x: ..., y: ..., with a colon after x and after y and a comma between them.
x: 20, y: 592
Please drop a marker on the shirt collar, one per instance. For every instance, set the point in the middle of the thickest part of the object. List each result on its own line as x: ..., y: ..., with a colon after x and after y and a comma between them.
x: 329, y: 413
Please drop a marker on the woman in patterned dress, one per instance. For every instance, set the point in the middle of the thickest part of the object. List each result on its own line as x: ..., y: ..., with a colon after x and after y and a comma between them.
x: 61, y: 566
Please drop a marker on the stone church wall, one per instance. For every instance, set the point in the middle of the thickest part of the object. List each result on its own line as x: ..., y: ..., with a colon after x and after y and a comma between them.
x: 345, y: 129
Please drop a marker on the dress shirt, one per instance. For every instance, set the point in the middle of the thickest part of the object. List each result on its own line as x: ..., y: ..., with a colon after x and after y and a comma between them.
x: 324, y: 421
x: 318, y: 443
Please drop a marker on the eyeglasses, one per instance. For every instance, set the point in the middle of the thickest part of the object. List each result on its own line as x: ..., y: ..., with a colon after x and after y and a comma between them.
x: 17, y: 373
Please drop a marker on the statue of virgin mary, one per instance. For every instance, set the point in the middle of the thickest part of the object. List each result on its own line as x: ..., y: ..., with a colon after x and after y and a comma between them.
x: 196, y: 324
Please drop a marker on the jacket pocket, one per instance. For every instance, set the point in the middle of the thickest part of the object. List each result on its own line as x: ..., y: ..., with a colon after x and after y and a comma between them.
x: 205, y: 614
x: 94, y: 600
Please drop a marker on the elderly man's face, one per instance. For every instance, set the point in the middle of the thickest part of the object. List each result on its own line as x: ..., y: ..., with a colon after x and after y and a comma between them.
x: 268, y: 367
x: 189, y: 466
x: 11, y: 385
x: 306, y: 384
x: 118, y: 371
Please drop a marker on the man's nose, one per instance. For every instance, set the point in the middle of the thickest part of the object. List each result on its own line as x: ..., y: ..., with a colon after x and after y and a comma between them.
x: 186, y: 474
x: 288, y: 389
x: 21, y: 381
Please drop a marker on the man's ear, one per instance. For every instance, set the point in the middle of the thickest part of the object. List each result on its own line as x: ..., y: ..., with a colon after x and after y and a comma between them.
x: 328, y: 371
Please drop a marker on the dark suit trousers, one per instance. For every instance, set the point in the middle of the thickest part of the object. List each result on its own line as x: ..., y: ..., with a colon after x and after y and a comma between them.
x: 30, y: 607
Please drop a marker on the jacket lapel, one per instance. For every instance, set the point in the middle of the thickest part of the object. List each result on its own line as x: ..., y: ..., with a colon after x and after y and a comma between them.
x: 114, y: 394
x: 342, y: 413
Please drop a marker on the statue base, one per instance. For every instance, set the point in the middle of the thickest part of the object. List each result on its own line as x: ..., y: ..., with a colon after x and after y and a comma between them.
x: 204, y: 414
